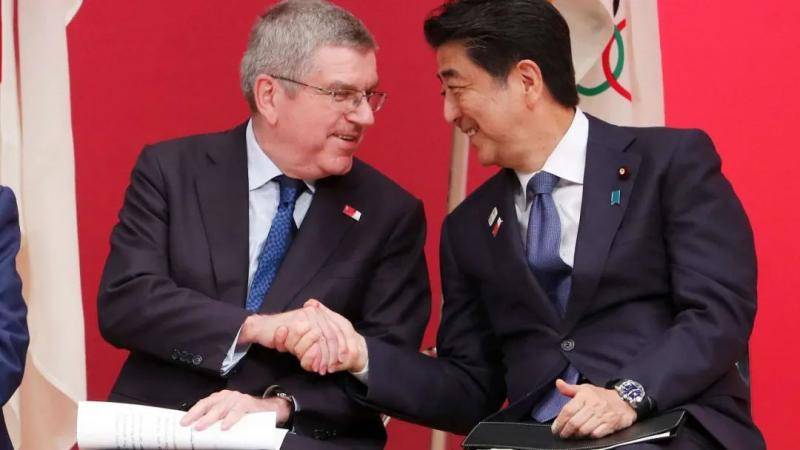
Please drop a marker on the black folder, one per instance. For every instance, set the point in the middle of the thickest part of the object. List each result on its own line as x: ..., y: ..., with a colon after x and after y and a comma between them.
x: 532, y: 436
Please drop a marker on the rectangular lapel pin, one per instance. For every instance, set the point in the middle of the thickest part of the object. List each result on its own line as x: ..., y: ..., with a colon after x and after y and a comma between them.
x: 496, y: 227
x: 616, y: 197
x: 352, y: 213
x: 492, y: 216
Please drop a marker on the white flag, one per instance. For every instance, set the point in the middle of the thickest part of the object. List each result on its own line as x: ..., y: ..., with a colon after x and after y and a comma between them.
x: 625, y: 84
x: 37, y: 161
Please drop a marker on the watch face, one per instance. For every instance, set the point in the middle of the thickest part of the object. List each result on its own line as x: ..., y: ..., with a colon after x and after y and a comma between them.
x: 631, y: 391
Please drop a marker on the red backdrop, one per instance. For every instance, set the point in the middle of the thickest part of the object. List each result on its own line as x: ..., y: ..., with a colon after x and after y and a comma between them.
x: 149, y: 70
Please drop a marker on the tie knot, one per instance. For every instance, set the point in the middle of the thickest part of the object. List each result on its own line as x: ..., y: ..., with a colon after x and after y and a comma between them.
x: 542, y: 183
x: 291, y: 188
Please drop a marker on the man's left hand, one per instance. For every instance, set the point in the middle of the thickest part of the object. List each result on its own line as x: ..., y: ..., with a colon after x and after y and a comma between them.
x: 230, y: 407
x: 592, y: 412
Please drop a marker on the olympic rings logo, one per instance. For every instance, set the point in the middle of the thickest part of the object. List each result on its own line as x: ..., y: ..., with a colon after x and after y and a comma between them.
x: 612, y: 76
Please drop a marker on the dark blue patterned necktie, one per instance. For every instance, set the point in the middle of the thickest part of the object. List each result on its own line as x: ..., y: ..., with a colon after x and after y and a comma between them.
x: 544, y: 240
x: 277, y: 244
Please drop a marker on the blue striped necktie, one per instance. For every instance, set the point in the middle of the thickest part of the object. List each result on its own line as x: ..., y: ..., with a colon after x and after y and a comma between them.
x: 277, y: 244
x: 544, y: 240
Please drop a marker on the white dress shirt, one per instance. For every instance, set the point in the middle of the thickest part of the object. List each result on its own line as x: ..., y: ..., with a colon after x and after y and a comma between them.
x: 264, y: 197
x: 567, y: 162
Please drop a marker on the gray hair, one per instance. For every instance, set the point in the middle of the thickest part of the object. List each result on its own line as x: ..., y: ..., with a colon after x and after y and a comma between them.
x: 284, y: 39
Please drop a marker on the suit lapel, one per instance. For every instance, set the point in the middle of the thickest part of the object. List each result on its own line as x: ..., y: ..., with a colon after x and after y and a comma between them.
x: 508, y: 252
x: 223, y: 194
x: 599, y: 219
x: 319, y: 235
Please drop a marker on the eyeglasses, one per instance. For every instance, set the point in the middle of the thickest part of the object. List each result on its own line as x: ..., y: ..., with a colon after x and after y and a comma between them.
x: 347, y: 99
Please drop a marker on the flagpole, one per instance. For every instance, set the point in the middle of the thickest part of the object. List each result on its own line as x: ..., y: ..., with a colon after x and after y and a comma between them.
x: 459, y: 165
x: 459, y: 161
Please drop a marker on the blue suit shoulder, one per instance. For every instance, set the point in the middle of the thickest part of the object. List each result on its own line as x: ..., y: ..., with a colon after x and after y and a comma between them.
x: 13, y: 324
x: 666, y: 143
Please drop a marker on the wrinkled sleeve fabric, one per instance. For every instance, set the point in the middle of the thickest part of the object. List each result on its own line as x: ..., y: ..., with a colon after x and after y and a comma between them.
x: 463, y: 384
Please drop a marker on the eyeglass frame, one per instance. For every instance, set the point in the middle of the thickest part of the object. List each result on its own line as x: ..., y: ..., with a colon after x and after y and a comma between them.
x: 355, y: 102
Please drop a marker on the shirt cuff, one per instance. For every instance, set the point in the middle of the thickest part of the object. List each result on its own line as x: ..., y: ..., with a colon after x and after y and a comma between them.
x: 363, y: 374
x: 235, y: 354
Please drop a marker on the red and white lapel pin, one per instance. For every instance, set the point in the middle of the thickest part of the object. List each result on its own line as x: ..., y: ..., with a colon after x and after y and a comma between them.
x: 495, y: 221
x: 352, y: 213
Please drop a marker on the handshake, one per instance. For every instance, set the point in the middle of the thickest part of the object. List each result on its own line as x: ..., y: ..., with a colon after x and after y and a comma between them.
x: 323, y: 341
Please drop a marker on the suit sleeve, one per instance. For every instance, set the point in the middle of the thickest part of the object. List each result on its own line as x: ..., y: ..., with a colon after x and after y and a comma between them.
x: 140, y: 307
x: 713, y: 279
x: 13, y: 326
x: 424, y: 390
x: 395, y: 310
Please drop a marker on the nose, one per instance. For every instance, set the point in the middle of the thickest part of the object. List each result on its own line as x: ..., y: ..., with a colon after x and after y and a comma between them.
x: 363, y: 114
x: 451, y: 109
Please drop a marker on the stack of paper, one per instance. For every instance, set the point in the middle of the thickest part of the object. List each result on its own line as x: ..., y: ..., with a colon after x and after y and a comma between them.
x: 105, y: 425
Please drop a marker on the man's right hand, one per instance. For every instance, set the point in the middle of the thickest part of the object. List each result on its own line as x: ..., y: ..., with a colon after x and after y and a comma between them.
x: 322, y: 340
x: 293, y: 338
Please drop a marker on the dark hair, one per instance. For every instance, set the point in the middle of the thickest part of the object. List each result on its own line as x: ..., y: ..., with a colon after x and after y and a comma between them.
x: 499, y: 33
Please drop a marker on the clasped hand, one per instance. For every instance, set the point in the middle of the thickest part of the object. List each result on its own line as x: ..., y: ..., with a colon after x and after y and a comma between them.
x: 322, y: 340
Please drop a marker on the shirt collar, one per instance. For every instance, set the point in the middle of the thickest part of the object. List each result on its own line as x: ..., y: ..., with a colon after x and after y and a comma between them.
x: 568, y: 159
x: 260, y: 169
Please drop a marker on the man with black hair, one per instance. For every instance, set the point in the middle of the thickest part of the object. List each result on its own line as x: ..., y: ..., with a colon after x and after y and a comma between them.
x: 604, y: 274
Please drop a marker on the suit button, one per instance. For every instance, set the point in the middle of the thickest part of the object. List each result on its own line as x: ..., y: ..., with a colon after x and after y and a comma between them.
x: 567, y: 345
x: 175, y: 354
x: 184, y: 406
x: 197, y: 360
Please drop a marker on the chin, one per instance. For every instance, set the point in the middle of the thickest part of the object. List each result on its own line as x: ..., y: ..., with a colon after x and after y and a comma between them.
x: 339, y: 165
x: 486, y: 157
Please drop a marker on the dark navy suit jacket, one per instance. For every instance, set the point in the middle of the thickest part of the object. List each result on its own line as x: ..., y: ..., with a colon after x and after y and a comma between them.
x: 175, y: 283
x: 663, y: 292
x: 13, y: 326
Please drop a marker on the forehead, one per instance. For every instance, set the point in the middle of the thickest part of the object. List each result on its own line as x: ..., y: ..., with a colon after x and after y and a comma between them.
x: 335, y: 66
x: 454, y: 64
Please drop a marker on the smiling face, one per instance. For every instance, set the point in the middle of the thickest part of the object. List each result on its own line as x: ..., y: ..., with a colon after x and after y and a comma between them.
x: 313, y: 136
x: 488, y: 111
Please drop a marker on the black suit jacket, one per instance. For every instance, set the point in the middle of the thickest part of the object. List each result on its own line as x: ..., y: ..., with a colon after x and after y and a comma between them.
x: 175, y: 283
x: 663, y: 292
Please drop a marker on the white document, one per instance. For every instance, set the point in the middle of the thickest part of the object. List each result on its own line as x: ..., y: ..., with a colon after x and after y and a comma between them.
x: 107, y: 425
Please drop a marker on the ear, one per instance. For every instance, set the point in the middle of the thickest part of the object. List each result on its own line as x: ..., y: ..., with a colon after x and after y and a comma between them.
x: 265, y: 91
x: 529, y: 75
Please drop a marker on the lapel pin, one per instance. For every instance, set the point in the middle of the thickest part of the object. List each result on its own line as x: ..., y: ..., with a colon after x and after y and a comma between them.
x: 492, y: 216
x: 496, y: 227
x: 352, y: 213
x: 616, y: 197
x: 624, y: 172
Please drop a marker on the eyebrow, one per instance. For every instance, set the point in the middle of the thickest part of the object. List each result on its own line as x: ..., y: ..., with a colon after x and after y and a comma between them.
x: 447, y: 74
x: 347, y: 86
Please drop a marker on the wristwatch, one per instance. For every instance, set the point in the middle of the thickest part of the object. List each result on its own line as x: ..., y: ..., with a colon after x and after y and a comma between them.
x: 276, y: 391
x: 633, y: 393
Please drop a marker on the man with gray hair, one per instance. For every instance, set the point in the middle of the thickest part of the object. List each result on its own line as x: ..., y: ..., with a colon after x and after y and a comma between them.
x: 223, y: 238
